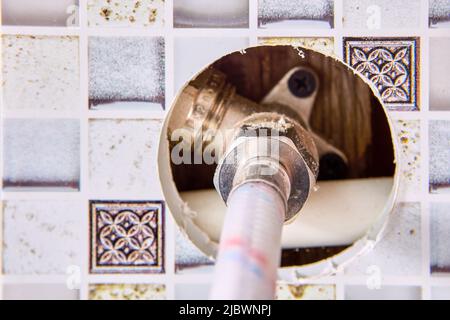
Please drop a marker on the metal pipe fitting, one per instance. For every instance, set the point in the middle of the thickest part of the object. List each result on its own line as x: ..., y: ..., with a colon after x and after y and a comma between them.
x: 267, y: 158
x: 284, y: 150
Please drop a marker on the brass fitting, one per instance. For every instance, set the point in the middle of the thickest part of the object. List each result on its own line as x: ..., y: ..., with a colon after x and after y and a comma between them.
x: 268, y: 141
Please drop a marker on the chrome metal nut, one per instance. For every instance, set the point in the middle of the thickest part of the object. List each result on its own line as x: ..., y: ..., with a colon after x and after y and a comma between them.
x: 295, y: 159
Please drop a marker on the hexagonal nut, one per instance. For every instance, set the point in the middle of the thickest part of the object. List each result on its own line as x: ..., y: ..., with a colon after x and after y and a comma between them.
x: 283, y: 139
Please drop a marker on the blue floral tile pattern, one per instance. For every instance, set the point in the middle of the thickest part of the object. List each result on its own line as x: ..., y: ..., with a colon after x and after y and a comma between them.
x: 391, y: 64
x: 126, y: 237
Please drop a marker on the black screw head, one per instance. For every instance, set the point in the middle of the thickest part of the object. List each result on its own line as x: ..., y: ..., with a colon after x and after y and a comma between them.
x: 302, y: 83
x: 332, y: 167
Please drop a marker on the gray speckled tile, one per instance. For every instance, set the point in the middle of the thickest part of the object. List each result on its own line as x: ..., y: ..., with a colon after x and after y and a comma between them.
x: 40, y: 73
x: 126, y: 72
x: 127, y: 292
x: 439, y: 13
x: 41, y: 237
x: 126, y: 13
x: 130, y: 145
x: 295, y: 14
x: 381, y: 14
x: 188, y: 258
x: 399, y: 252
x: 41, y: 153
x: 439, y: 144
x: 440, y: 237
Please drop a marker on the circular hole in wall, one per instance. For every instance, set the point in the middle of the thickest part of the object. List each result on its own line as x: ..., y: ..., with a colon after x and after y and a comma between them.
x: 352, y: 199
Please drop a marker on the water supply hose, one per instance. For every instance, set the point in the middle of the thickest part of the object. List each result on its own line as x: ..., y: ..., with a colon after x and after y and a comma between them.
x: 249, y: 252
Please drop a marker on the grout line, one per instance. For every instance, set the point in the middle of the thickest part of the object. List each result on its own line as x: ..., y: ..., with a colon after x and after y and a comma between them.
x: 1, y: 165
x: 84, y: 149
x: 169, y: 235
x: 424, y: 110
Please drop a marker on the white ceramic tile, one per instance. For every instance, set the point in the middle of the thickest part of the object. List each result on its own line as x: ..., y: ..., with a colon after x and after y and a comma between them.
x: 41, y: 153
x: 381, y: 14
x: 384, y: 293
x: 399, y: 251
x: 440, y: 293
x: 126, y: 72
x: 192, y: 291
x: 194, y: 54
x: 440, y: 237
x: 123, y: 156
x: 39, y: 291
x: 439, y: 74
x: 202, y: 14
x: 42, y: 237
x: 408, y: 135
x: 439, y: 144
x: 40, y: 13
x: 126, y: 13
x: 316, y: 14
x: 127, y: 292
x: 40, y: 73
x: 305, y: 292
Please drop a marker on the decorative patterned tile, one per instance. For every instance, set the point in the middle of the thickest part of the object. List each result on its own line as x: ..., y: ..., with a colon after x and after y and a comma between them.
x: 126, y: 237
x: 383, y: 293
x: 41, y: 154
x: 126, y: 13
x: 127, y: 292
x: 41, y: 237
x: 130, y: 145
x: 439, y: 13
x: 192, y: 54
x: 40, y: 13
x: 439, y: 144
x: 40, y: 73
x: 391, y: 64
x: 381, y: 14
x: 408, y: 135
x: 439, y: 73
x: 440, y: 237
x: 201, y: 14
x: 399, y: 251
x: 114, y: 82
x: 305, y: 292
x: 295, y: 14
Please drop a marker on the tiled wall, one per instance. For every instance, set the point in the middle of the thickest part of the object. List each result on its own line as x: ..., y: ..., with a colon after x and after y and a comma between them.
x: 86, y: 85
